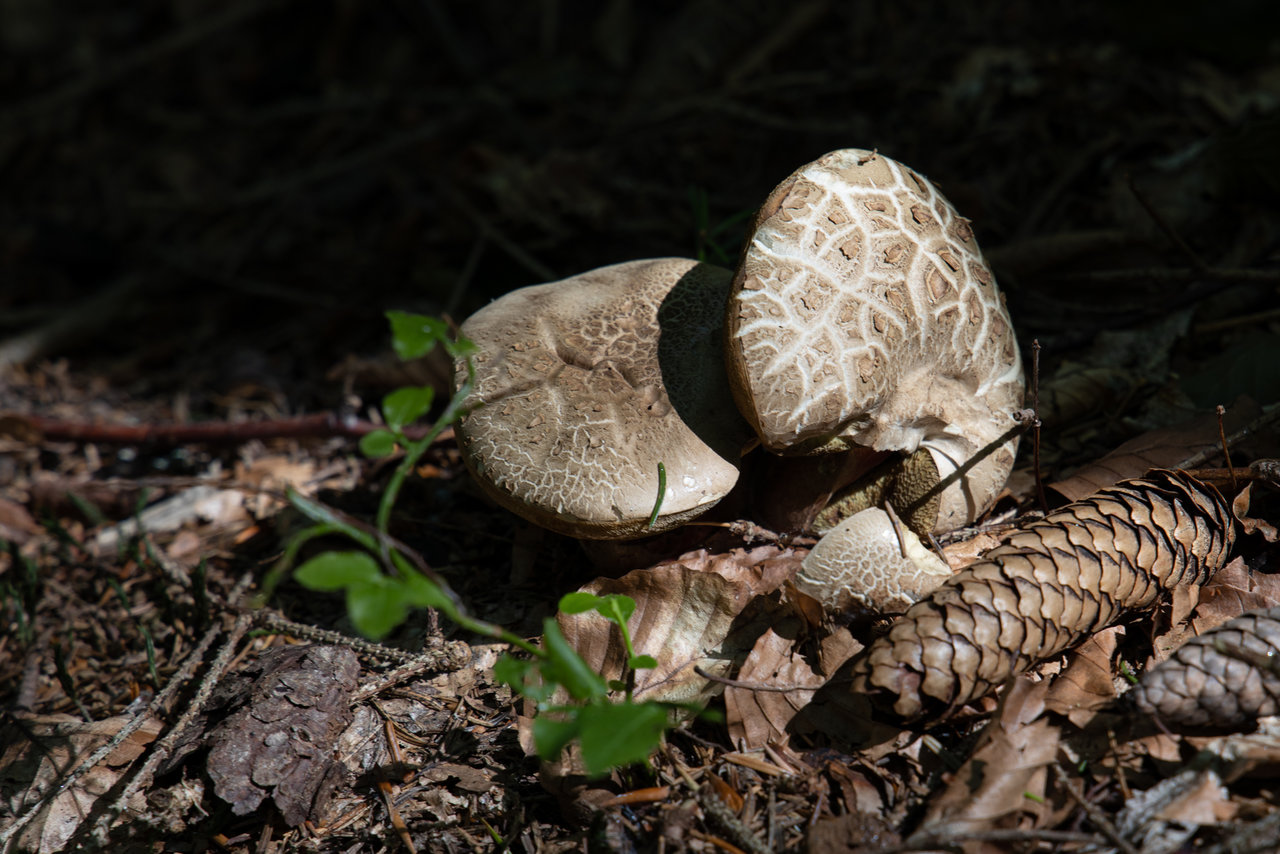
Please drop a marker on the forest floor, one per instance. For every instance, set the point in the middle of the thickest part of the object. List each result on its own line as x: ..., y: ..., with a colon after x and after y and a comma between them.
x: 206, y: 209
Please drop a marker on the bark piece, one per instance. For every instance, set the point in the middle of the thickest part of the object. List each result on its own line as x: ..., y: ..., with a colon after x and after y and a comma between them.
x: 1223, y: 680
x: 1055, y: 582
x: 280, y: 743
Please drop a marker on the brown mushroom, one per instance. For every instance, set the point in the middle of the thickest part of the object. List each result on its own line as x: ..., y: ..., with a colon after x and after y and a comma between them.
x: 583, y: 386
x: 863, y: 315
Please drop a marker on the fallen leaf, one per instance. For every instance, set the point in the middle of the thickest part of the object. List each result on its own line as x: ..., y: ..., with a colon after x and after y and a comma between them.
x: 689, y: 614
x: 756, y: 712
x: 1006, y: 774
x: 1086, y: 684
x: 1167, y: 448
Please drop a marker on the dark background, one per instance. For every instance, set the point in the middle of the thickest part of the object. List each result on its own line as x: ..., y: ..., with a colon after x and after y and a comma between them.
x: 199, y: 193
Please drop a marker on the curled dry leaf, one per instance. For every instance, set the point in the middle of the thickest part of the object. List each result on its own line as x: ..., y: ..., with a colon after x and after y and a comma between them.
x: 1054, y: 583
x: 1223, y: 680
x: 689, y: 613
x: 1249, y: 524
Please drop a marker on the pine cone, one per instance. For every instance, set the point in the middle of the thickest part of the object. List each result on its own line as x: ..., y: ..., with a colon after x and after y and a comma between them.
x: 1223, y: 680
x: 1080, y: 569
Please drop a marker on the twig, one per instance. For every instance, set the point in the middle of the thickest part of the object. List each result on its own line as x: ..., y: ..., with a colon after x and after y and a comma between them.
x: 1162, y: 224
x: 1167, y: 275
x: 752, y: 686
x: 194, y: 658
x: 1035, y: 421
x: 1257, y: 425
x: 161, y: 750
x: 1096, y: 815
x: 1226, y: 449
x: 279, y: 625
x: 929, y: 842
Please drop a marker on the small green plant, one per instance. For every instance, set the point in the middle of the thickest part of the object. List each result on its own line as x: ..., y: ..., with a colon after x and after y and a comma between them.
x: 382, y: 579
x: 610, y: 732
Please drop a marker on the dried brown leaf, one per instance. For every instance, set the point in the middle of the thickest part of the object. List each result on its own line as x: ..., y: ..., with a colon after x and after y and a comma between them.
x: 1006, y: 774
x: 689, y: 613
x: 16, y: 524
x: 1233, y: 591
x: 1249, y: 524
x: 759, y: 717
x: 1157, y: 449
x: 1086, y: 684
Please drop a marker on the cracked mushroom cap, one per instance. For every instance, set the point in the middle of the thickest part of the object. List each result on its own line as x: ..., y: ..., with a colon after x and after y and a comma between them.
x: 863, y: 314
x: 583, y: 386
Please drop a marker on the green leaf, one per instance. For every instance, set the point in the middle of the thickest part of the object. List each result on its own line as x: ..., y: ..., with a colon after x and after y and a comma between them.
x: 462, y: 348
x: 376, y: 607
x: 512, y: 671
x: 524, y: 677
x: 406, y: 405
x: 565, y: 667
x: 642, y: 662
x: 550, y: 735
x: 614, y: 734
x: 578, y: 603
x: 414, y: 335
x: 618, y: 608
x: 336, y: 570
x: 423, y: 592
x: 378, y: 444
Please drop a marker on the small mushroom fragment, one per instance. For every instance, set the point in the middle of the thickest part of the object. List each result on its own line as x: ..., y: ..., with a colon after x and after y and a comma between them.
x: 863, y: 315
x: 583, y: 386
x: 868, y: 562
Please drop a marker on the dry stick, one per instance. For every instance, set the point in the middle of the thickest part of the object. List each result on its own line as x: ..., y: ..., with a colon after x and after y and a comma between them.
x: 1262, y: 421
x: 276, y: 623
x: 1168, y: 275
x: 758, y: 687
x: 153, y: 708
x: 1226, y: 451
x: 932, y: 843
x: 1257, y: 837
x: 1096, y: 815
x: 1176, y: 239
x: 161, y: 750
x: 1035, y: 421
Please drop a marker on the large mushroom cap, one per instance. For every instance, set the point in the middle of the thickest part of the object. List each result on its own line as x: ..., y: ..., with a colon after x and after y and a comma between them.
x: 583, y: 386
x: 863, y: 314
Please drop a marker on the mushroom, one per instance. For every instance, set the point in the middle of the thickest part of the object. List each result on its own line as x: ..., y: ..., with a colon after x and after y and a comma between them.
x: 869, y: 563
x: 862, y: 315
x: 862, y: 318
x: 583, y: 387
